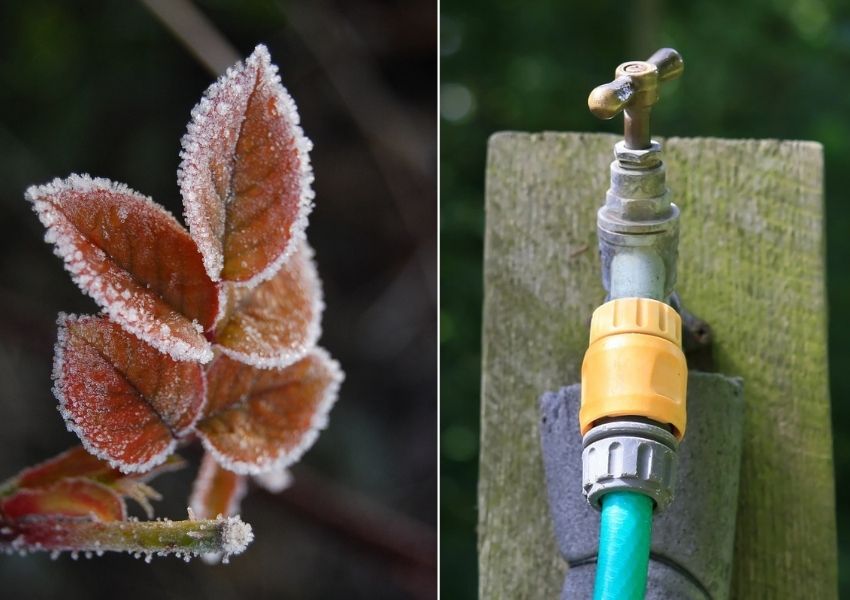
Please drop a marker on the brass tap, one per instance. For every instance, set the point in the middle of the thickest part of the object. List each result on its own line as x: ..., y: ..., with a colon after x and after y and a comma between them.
x: 634, y: 91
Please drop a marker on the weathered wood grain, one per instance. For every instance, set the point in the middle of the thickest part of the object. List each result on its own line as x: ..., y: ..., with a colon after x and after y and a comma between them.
x: 751, y: 263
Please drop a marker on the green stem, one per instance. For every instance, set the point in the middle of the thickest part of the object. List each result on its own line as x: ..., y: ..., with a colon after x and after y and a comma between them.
x: 226, y: 536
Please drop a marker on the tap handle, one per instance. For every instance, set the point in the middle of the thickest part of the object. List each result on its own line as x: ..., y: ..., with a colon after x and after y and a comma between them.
x: 669, y: 64
x: 634, y: 91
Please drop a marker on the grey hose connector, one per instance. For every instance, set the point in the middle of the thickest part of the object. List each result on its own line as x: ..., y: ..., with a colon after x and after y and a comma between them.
x: 629, y: 455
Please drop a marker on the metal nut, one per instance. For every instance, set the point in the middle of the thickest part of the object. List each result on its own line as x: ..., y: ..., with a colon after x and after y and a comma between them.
x: 631, y: 158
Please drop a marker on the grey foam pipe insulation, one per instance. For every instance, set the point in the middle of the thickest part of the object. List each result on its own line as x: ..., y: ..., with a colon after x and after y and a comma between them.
x: 692, y: 541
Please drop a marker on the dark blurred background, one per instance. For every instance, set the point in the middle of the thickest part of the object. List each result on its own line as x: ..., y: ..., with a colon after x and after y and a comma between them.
x: 106, y: 87
x: 755, y: 69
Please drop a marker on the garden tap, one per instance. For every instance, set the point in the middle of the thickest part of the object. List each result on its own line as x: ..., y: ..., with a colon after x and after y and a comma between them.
x: 634, y: 374
x: 630, y: 404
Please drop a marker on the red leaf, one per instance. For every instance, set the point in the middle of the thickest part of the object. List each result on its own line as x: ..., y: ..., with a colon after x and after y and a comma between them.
x: 77, y: 462
x: 245, y: 175
x: 127, y: 401
x: 216, y: 491
x: 134, y: 259
x: 277, y: 322
x: 68, y: 498
x: 257, y: 419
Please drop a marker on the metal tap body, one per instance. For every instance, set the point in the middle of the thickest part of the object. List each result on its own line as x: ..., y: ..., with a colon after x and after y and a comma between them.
x: 638, y: 227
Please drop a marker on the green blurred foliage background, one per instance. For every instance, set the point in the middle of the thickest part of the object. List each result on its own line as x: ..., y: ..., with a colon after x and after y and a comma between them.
x: 756, y: 69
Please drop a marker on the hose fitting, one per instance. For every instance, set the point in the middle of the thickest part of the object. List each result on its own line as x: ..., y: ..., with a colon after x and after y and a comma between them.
x: 634, y: 366
x: 634, y: 383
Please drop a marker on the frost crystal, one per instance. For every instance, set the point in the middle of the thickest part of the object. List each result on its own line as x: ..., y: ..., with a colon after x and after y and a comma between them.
x: 236, y: 534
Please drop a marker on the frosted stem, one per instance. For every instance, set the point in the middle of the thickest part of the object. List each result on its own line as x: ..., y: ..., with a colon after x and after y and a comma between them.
x: 225, y: 536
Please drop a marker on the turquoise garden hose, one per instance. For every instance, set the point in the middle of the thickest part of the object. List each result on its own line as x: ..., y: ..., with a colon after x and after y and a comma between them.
x: 624, y: 537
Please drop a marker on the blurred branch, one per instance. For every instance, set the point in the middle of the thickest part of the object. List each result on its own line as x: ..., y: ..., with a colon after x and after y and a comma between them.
x: 409, y: 544
x: 353, y: 74
x: 196, y: 32
x: 393, y: 319
x: 398, y: 146
x: 22, y: 322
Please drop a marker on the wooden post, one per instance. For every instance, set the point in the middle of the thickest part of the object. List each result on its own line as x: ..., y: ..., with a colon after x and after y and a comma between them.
x: 751, y: 263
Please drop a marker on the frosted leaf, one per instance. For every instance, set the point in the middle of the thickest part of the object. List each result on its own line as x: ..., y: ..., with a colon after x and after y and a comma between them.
x: 216, y: 491
x: 125, y: 400
x: 134, y: 259
x: 245, y: 174
x: 261, y: 419
x: 78, y: 463
x: 75, y: 462
x: 73, y: 497
x: 279, y: 321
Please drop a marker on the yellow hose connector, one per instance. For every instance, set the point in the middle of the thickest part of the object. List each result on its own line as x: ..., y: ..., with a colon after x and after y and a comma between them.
x: 634, y: 365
